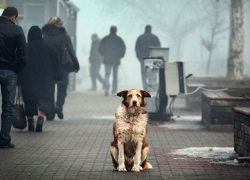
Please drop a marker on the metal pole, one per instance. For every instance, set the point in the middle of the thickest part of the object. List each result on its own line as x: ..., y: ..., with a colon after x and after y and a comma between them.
x: 57, y: 8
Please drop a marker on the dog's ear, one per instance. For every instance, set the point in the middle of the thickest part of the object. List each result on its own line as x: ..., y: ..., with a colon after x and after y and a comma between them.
x: 122, y: 93
x: 145, y: 94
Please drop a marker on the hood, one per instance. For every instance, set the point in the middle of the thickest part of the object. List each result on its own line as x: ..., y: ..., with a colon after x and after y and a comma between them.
x: 52, y: 30
x: 35, y: 34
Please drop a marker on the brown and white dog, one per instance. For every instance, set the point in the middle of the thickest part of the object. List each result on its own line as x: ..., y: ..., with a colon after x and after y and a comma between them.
x: 129, y: 150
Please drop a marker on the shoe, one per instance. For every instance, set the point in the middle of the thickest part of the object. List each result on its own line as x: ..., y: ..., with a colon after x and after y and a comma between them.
x: 31, y: 126
x: 39, y: 124
x: 8, y: 146
x: 106, y: 93
x: 59, y: 112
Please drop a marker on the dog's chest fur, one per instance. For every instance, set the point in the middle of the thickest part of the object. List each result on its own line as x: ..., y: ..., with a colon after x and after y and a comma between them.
x: 131, y: 124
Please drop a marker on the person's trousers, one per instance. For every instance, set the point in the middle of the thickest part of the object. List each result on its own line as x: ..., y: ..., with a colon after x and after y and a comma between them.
x: 8, y: 81
x: 108, y: 68
x: 61, y: 95
x: 143, y: 74
x: 94, y: 74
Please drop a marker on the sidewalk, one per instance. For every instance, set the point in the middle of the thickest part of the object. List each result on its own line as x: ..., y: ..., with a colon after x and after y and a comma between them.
x: 78, y: 146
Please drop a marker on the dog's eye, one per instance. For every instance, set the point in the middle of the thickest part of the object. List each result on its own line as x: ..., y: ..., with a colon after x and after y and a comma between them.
x: 138, y: 95
x: 130, y: 96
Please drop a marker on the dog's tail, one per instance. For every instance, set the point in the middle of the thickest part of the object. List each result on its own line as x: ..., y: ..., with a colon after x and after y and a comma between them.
x: 148, y: 166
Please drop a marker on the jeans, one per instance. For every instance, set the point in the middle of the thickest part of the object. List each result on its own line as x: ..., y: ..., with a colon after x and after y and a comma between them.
x: 8, y: 81
x: 94, y: 74
x: 115, y: 76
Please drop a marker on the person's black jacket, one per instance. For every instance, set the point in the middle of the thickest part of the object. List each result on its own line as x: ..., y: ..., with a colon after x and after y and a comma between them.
x: 12, y: 46
x: 42, y: 69
x: 143, y: 42
x: 95, y: 57
x: 112, y: 48
x: 56, y: 36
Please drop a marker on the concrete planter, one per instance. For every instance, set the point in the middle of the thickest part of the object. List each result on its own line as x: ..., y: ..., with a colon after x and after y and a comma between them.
x: 242, y: 131
x: 217, y: 109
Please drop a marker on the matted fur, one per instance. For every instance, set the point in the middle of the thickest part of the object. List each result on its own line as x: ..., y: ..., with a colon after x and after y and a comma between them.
x: 129, y: 150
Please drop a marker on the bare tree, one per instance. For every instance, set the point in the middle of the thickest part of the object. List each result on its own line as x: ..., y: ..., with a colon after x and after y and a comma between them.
x: 216, y: 26
x: 235, y: 64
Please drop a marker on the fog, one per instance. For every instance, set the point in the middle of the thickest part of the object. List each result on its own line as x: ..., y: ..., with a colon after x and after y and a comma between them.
x: 172, y: 21
x: 184, y: 26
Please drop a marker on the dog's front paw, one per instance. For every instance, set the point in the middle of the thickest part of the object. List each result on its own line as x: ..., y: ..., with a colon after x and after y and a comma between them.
x: 121, y: 168
x: 136, y: 168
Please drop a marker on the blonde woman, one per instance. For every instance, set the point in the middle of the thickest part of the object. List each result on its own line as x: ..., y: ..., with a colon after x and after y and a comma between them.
x: 55, y: 34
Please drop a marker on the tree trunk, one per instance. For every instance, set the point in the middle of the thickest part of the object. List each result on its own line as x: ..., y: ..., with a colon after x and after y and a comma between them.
x: 235, y: 62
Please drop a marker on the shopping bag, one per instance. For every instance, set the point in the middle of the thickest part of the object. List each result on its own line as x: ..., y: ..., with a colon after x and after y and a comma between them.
x: 19, y: 120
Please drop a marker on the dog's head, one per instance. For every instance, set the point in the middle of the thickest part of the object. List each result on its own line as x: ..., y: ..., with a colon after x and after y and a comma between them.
x: 133, y: 97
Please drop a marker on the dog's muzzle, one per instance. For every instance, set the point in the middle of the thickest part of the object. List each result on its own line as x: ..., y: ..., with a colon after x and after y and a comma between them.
x: 134, y: 103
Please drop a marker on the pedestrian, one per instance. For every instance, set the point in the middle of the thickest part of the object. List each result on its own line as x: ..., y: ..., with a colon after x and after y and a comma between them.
x: 142, y: 48
x: 95, y: 60
x: 112, y: 48
x: 55, y: 34
x: 38, y: 78
x: 12, y: 61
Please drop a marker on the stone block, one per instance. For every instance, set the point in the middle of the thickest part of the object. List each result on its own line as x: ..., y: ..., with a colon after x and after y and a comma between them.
x: 215, y: 127
x: 221, y: 121
x: 221, y: 109
x: 221, y: 103
x: 227, y: 127
x: 236, y: 116
x: 222, y: 115
x: 217, y: 107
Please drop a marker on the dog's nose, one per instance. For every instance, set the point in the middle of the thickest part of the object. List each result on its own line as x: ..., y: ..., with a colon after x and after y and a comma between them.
x: 134, y: 102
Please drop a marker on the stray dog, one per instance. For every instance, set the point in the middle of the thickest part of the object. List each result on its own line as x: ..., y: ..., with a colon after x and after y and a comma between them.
x: 129, y: 151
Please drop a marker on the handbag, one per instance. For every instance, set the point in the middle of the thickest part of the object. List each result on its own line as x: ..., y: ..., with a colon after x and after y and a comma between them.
x: 67, y: 63
x: 19, y: 120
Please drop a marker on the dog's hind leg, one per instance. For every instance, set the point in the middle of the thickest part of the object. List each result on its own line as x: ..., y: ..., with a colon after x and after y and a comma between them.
x: 114, y: 155
x: 144, y: 156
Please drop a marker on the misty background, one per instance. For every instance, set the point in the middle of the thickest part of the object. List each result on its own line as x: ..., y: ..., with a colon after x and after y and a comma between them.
x: 196, y: 31
x: 191, y: 22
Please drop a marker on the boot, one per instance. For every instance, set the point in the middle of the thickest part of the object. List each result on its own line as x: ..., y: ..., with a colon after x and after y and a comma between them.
x: 39, y: 124
x: 31, y: 125
x: 59, y: 112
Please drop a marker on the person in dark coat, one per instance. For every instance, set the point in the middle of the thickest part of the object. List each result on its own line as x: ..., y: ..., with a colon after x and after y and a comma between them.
x: 55, y: 34
x: 112, y: 48
x: 95, y: 60
x: 142, y: 48
x: 12, y: 61
x: 38, y: 78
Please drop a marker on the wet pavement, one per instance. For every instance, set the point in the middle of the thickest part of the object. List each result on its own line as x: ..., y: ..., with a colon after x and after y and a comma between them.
x: 78, y: 146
